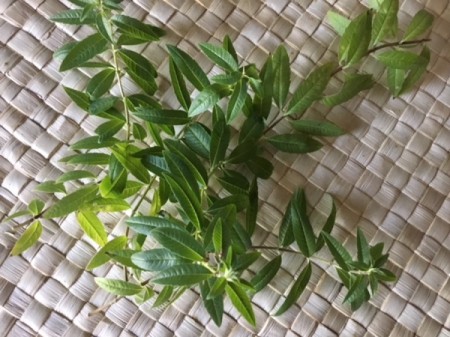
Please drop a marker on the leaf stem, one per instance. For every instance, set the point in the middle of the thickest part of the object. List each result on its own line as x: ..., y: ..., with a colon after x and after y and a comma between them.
x: 281, y: 249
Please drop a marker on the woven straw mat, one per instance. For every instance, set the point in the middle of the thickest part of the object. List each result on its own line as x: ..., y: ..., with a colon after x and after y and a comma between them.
x: 389, y: 175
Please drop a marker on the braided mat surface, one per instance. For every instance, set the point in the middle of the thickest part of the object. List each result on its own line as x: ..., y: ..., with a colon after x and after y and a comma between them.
x: 390, y: 175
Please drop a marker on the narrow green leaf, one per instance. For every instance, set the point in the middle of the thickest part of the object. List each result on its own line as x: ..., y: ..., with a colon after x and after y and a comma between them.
x: 93, y: 227
x: 204, y: 101
x: 214, y: 306
x: 75, y: 175
x: 102, y: 104
x: 168, y: 117
x: 282, y: 76
x: 237, y: 101
x: 106, y: 205
x: 340, y: 254
x: 363, y: 248
x: 125, y: 156
x: 163, y: 297
x: 286, y: 232
x: 295, y: 143
x: 104, y: 27
x: 227, y: 79
x: 420, y: 23
x: 92, y: 143
x: 228, y: 45
x: 310, y: 90
x: 198, y: 139
x: 338, y: 22
x: 179, y: 85
x: 217, y: 288
x: 87, y: 159
x: 118, y: 287
x: 73, y: 17
x: 83, y: 51
x: 242, y: 152
x: 157, y: 259
x: 263, y: 103
x: 261, y: 167
x: 386, y: 275
x: 36, y: 206
x: 218, y: 236
x: 189, y: 67
x: 296, y: 290
x: 385, y: 21
x: 301, y: 226
x: 239, y: 200
x: 356, y: 39
x: 252, y: 210
x: 182, y: 173
x: 400, y: 59
x: 71, y: 202
x: 266, y: 274
x: 356, y: 290
x: 243, y: 261
x: 395, y: 80
x: 233, y: 185
x: 136, y: 29
x: 146, y: 224
x: 80, y: 98
x: 220, y: 138
x: 28, y: 238
x: 140, y: 70
x: 241, y: 301
x: 156, y: 165
x: 101, y: 257
x: 353, y: 84
x: 317, y: 128
x: 327, y: 227
x: 139, y: 131
x: 146, y: 294
x: 183, y: 275
x: 417, y: 72
x: 109, y: 129
x: 50, y: 187
x: 16, y: 215
x: 219, y: 56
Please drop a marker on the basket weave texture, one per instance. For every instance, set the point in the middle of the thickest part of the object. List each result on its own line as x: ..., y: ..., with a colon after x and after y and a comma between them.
x: 390, y: 175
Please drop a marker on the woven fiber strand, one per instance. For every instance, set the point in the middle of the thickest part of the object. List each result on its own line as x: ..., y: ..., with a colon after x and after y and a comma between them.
x: 390, y: 176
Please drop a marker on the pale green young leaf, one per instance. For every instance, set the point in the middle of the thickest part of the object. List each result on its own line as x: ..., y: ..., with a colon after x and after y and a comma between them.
x: 356, y: 39
x: 146, y: 294
x: 137, y: 29
x: 241, y: 301
x: 396, y: 79
x: 179, y: 85
x: 296, y: 290
x: 237, y: 101
x: 363, y: 247
x: 261, y: 167
x: 420, y: 23
x: 157, y: 259
x: 310, y: 90
x: 214, y: 306
x: 108, y: 205
x: 266, y: 274
x: 183, y: 275
x: 28, y: 238
x: 101, y: 257
x: 140, y: 70
x: 79, y: 98
x: 86, y: 159
x: 281, y: 75
x: 118, y: 287
x: 124, y: 155
x: 189, y: 67
x: 75, y: 175
x: 220, y: 138
x: 71, y: 202
x: 73, y: 17
x: 417, y: 72
x: 294, y: 143
x: 340, y: 254
x: 338, y: 22
x: 401, y: 59
x: 93, y: 227
x: 353, y: 84
x: 385, y: 21
x: 50, y: 187
x: 317, y: 128
x: 16, y: 215
x: 104, y: 27
x: 157, y: 116
x: 83, y: 51
x: 36, y: 206
x: 219, y: 56
x: 204, y: 101
x: 198, y: 139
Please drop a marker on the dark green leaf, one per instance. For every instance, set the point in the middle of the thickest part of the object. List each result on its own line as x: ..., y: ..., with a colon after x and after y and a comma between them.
x: 183, y: 275
x: 104, y: 27
x: 139, y: 131
x: 102, y: 104
x: 243, y: 261
x: 50, y: 187
x: 345, y: 277
x: 125, y: 156
x: 218, y: 236
x: 420, y: 23
x: 101, y: 257
x: 92, y: 143
x: 241, y: 301
x: 237, y: 101
x: 28, y: 238
x: 383, y: 274
x: 243, y: 152
x: 140, y: 70
x: 204, y: 101
x: 213, y: 306
x: 93, y: 227
x: 338, y: 22
x: 261, y: 167
x: 189, y: 67
x: 363, y: 247
x: 232, y: 185
x: 87, y: 159
x: 80, y: 98
x: 83, y: 51
x: 296, y: 290
x: 198, y: 139
x: 329, y: 224
x: 301, y: 226
x: 340, y: 254
x: 266, y: 274
x: 136, y: 29
x: 252, y: 210
x: 356, y: 39
x: 219, y: 56
x: 164, y: 296
x: 146, y: 224
x: 74, y: 17
x: 239, y: 200
x: 357, y: 289
x: 282, y: 76
x: 353, y: 84
x: 109, y: 129
x: 295, y: 143
x: 220, y: 138
x: 118, y: 287
x: 228, y: 45
x: 157, y: 259
x: 182, y: 172
x: 156, y: 164
x: 217, y: 288
x: 227, y: 79
x: 385, y: 21
x: 179, y: 85
x: 72, y: 202
x: 252, y: 129
x: 169, y: 117
x: 317, y: 128
x: 286, y: 233
x: 400, y: 59
x: 310, y: 90
x: 416, y: 73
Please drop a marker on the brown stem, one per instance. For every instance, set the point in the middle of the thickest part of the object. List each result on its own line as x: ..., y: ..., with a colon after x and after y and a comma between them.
x: 281, y: 249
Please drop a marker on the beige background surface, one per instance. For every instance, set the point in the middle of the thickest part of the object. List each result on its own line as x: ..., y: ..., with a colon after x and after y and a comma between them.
x: 390, y: 176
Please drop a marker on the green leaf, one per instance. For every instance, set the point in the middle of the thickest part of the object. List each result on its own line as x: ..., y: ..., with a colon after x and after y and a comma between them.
x: 140, y: 70
x: 282, y: 76
x: 217, y: 288
x: 356, y: 39
x: 87, y: 159
x: 28, y: 238
x: 92, y: 143
x: 93, y: 227
x: 239, y: 200
x: 327, y: 227
x: 395, y: 80
x: 198, y: 139
x: 220, y: 138
x: 241, y: 301
x: 317, y: 128
x: 228, y: 45
x: 163, y: 297
x: 266, y: 274
x: 156, y: 164
x: 157, y: 259
x: 139, y: 131
x: 146, y: 294
x: 338, y: 22
x: 189, y: 67
x: 243, y: 261
x: 109, y: 129
x: 219, y: 56
x: 50, y: 187
x: 72, y: 202
x: 310, y: 90
x: 73, y: 17
x: 104, y: 27
x: 383, y: 274
x: 179, y: 85
x: 400, y: 59
x: 214, y: 306
x: 101, y: 257
x: 301, y: 226
x: 237, y: 101
x: 363, y: 248
x: 80, y: 98
x: 416, y: 73
x: 83, y: 51
x: 261, y: 167
x: 296, y: 290
x: 340, y: 254
x: 252, y: 210
x: 183, y: 275
x: 353, y: 84
x: 183, y: 174
x: 218, y: 236
x: 118, y: 287
x: 295, y: 143
x: 168, y: 117
x: 75, y: 175
x: 136, y: 29
x: 36, y: 206
x: 102, y: 104
x: 125, y: 156
x: 204, y: 101
x: 385, y: 21
x: 420, y: 23
x: 16, y: 215
x: 243, y: 152
x: 234, y: 182
x: 356, y: 290
x: 227, y: 79
x: 286, y: 232
x: 108, y: 205
x: 146, y: 224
